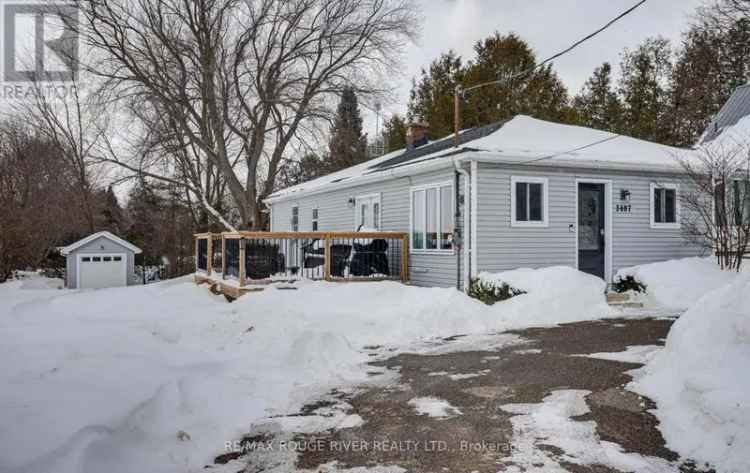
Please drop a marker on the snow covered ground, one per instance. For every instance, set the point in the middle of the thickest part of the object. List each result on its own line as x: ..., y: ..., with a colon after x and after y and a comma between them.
x: 159, y: 378
x: 678, y: 284
x: 700, y: 380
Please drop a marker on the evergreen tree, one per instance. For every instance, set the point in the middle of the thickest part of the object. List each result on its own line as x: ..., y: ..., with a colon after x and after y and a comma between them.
x: 644, y: 88
x: 348, y: 145
x: 597, y: 105
x: 308, y: 167
x: 144, y: 209
x: 111, y: 215
x: 539, y: 93
x: 431, y: 99
x: 394, y: 133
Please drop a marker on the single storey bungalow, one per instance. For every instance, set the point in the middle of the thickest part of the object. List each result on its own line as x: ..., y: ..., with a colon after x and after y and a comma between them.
x: 520, y: 193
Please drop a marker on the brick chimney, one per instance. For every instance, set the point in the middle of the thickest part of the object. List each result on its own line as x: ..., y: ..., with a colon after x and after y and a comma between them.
x: 417, y: 134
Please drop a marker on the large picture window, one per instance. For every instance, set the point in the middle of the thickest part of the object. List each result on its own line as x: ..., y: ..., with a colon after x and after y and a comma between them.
x: 432, y: 217
x: 665, y: 209
x: 529, y: 201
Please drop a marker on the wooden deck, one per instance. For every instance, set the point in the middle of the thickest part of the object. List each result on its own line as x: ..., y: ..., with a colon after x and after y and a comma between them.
x: 235, y: 263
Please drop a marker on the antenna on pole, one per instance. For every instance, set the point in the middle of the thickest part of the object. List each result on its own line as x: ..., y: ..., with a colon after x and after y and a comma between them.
x: 456, y: 114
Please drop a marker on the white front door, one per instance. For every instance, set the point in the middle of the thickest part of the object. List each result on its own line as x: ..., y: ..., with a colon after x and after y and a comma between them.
x: 102, y: 270
x: 367, y: 212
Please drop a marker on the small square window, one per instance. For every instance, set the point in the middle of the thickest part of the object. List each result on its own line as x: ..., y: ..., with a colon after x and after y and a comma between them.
x: 107, y: 258
x: 85, y: 259
x: 117, y: 258
x: 529, y: 202
x: 96, y: 259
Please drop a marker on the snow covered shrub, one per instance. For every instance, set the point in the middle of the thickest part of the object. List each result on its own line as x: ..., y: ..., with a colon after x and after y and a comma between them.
x: 489, y: 291
x: 628, y: 283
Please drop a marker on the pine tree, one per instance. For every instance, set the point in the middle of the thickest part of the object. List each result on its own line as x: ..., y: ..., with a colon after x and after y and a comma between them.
x: 111, y: 215
x: 597, y: 105
x: 307, y: 168
x: 348, y: 145
x: 539, y: 93
x: 644, y: 82
x: 431, y: 99
x: 394, y: 133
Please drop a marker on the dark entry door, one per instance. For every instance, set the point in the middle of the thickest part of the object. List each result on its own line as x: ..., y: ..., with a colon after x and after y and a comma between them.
x: 591, y: 229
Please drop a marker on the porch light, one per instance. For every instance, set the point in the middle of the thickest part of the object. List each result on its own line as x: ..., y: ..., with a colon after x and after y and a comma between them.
x: 625, y: 195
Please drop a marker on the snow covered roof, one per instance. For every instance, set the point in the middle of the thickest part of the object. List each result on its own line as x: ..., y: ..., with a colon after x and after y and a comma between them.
x: 523, y: 140
x: 70, y: 248
x: 736, y: 108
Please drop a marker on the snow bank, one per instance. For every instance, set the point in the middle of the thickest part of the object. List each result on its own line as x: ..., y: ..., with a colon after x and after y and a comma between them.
x: 107, y: 380
x: 554, y: 295
x: 700, y: 380
x: 678, y: 284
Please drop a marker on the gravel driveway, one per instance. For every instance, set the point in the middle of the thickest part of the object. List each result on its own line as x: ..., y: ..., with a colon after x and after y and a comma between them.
x: 535, y: 405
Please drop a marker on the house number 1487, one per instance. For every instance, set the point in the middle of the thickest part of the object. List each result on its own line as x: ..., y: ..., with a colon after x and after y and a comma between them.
x: 623, y: 208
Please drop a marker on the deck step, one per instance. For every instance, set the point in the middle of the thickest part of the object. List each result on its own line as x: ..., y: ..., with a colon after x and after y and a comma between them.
x: 623, y: 300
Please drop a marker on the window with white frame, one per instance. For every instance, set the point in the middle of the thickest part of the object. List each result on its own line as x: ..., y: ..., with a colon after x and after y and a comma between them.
x: 315, y: 219
x: 295, y: 218
x: 733, y: 200
x: 741, y: 197
x: 529, y: 201
x: 431, y: 219
x: 665, y: 208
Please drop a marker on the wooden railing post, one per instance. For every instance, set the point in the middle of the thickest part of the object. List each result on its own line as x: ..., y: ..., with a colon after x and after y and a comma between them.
x: 223, y: 256
x: 405, y: 258
x: 196, y: 254
x: 242, y: 262
x: 327, y: 259
x: 209, y: 254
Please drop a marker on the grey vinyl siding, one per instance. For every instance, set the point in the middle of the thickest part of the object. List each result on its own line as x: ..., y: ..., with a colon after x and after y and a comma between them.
x: 100, y: 245
x: 502, y: 247
x: 334, y: 214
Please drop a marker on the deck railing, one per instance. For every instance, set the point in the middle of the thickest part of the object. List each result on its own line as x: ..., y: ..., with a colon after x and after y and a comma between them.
x: 249, y: 258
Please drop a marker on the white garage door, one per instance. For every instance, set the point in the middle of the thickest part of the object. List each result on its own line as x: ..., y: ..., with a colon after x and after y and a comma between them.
x: 97, y: 271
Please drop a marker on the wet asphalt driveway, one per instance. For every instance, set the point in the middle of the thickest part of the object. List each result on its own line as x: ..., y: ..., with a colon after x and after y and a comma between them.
x: 481, y: 430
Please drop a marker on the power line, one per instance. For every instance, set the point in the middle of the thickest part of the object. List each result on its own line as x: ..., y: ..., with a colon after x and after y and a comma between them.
x: 604, y: 140
x: 564, y: 51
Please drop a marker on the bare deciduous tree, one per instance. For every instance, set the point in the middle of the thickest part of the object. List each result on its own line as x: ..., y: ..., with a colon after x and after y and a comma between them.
x: 234, y: 82
x: 716, y: 204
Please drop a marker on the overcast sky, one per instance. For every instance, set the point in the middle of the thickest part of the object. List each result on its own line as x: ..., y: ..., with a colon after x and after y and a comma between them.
x: 547, y: 25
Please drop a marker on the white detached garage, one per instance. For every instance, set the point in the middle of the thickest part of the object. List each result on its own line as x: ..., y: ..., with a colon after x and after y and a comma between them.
x: 100, y: 260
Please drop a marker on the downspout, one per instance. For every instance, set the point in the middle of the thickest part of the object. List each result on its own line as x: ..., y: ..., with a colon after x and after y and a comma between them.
x: 464, y: 241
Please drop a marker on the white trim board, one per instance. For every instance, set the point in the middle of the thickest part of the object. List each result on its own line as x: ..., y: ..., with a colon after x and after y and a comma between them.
x: 608, y: 237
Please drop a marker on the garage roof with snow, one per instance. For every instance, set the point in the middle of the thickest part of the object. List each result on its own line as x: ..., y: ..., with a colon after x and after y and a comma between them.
x: 71, y: 248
